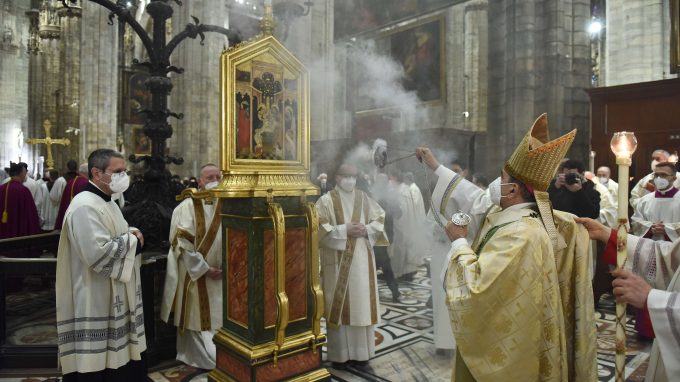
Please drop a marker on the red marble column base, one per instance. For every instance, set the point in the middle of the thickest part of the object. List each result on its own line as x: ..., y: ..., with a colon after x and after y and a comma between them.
x: 302, y: 366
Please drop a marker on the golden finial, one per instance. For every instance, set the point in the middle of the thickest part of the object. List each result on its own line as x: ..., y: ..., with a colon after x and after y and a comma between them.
x: 267, y: 24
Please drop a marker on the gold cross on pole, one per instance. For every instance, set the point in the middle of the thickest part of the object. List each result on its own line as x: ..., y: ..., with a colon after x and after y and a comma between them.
x: 49, y: 141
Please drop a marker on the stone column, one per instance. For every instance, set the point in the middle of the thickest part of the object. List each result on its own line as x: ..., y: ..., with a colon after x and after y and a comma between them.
x: 47, y: 92
x: 196, y: 91
x: 539, y: 61
x: 638, y: 40
x: 98, y: 80
x: 69, y: 100
x: 14, y: 76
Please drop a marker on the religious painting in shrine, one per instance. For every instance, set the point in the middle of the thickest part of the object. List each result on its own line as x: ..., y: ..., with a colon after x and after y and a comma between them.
x: 263, y: 113
x: 353, y: 17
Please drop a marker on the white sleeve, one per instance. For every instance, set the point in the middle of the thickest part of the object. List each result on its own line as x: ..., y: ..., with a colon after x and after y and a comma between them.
x: 664, y: 311
x: 108, y: 256
x: 195, y: 264
x: 57, y: 189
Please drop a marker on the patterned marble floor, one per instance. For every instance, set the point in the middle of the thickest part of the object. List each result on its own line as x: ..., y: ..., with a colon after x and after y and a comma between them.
x: 405, y: 350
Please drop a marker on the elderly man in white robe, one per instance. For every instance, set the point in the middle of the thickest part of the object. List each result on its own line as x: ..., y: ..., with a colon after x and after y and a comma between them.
x: 604, y: 175
x: 350, y: 225
x: 100, y: 320
x: 193, y: 281
x: 657, y: 215
x: 654, y: 285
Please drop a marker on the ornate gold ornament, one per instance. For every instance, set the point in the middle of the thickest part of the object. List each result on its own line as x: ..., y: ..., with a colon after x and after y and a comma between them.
x: 264, y: 126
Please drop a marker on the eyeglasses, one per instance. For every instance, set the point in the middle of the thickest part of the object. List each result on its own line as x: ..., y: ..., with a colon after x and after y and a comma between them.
x: 662, y: 175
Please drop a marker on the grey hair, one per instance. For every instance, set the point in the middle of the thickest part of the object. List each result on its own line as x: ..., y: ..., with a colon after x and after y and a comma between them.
x: 100, y: 159
x: 83, y: 168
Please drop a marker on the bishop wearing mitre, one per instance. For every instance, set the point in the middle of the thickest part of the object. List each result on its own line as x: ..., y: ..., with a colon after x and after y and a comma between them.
x: 519, y: 292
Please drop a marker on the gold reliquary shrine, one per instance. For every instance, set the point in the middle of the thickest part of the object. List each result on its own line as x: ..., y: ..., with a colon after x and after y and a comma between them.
x: 273, y: 302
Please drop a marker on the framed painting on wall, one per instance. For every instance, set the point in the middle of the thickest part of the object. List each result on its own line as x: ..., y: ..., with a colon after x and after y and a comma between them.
x: 417, y: 50
x: 353, y: 17
x: 136, y: 97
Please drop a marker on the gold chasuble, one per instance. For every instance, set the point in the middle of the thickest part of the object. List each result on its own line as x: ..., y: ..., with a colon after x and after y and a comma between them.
x: 520, y: 297
x: 504, y: 302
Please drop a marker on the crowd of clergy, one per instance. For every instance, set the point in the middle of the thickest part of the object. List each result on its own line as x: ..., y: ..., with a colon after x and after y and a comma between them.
x: 511, y: 285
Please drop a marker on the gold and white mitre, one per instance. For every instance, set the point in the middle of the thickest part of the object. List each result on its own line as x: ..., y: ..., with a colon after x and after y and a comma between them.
x: 535, y: 161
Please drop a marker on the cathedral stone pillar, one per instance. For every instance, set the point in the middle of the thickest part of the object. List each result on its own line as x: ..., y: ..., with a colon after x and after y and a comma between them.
x: 69, y: 97
x: 13, y: 77
x: 539, y: 61
x: 637, y: 41
x: 196, y: 91
x: 98, y: 92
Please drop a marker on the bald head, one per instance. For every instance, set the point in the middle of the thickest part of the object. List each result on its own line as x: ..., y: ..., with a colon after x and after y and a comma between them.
x: 209, y: 173
x: 604, y: 171
x: 660, y: 155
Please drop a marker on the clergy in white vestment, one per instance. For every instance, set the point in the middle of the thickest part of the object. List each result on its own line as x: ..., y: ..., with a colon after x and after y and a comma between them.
x: 520, y: 244
x: 657, y: 214
x: 608, y: 211
x: 654, y: 284
x: 100, y: 320
x: 60, y: 184
x: 350, y: 225
x: 406, y: 253
x: 646, y: 184
x: 48, y: 208
x: 193, y: 281
x: 441, y: 323
x: 604, y: 177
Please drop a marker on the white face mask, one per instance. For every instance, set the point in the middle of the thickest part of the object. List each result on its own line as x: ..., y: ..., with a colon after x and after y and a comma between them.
x: 603, y: 179
x: 323, y: 182
x: 119, y: 182
x: 211, y: 185
x: 347, y: 183
x: 495, y: 191
x: 654, y: 163
x: 661, y: 184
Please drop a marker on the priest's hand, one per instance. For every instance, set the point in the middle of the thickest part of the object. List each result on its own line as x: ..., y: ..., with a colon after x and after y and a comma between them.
x: 630, y: 288
x: 425, y: 155
x: 650, y: 186
x: 596, y: 230
x: 456, y: 231
x: 214, y: 273
x: 356, y: 230
x: 139, y: 236
x: 658, y: 228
